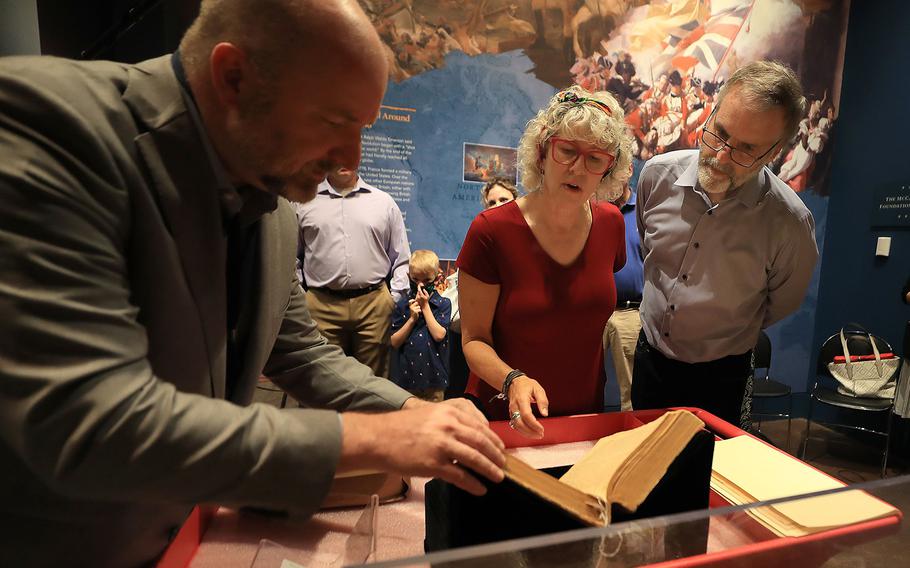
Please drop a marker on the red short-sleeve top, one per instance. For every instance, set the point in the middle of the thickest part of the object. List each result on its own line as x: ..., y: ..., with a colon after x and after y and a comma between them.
x: 549, y: 318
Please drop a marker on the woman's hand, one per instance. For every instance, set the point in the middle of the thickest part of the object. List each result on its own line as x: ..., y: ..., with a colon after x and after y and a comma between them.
x: 522, y: 392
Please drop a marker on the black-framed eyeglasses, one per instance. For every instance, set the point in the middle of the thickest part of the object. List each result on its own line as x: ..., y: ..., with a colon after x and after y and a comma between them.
x: 740, y: 157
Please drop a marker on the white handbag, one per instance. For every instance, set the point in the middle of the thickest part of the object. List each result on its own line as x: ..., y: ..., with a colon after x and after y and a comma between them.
x: 865, y: 379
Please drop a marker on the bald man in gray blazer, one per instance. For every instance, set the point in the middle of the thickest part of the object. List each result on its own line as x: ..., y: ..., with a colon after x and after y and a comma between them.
x: 147, y: 279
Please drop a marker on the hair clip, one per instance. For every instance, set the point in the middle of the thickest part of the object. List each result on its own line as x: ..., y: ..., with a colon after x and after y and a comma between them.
x: 572, y: 98
x: 569, y: 97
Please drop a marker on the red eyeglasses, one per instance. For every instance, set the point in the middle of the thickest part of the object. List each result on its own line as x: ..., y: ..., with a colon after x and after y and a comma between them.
x: 567, y: 152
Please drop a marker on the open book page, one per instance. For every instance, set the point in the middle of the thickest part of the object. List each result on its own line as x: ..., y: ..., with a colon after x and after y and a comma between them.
x: 746, y: 470
x: 628, y: 464
x: 624, y: 467
x: 594, y: 472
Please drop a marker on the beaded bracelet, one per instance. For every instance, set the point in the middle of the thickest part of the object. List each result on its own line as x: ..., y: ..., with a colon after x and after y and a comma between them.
x: 506, y: 384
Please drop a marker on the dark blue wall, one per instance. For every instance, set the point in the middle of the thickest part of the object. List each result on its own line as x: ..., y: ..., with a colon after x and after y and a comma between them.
x: 872, y: 148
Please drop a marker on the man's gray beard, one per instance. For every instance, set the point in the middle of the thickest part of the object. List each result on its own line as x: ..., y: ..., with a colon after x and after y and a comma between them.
x: 712, y: 184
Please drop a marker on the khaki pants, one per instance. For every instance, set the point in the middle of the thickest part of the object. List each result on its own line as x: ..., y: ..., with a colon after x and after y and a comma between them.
x: 620, y: 337
x: 360, y: 326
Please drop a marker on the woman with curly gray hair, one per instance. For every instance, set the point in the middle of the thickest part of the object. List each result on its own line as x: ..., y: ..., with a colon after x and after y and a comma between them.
x: 536, y: 285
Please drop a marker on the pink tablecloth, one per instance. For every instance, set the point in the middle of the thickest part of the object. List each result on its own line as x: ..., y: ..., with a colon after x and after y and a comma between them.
x: 233, y: 539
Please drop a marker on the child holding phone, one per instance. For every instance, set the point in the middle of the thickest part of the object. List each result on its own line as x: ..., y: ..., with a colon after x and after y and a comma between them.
x: 420, y: 332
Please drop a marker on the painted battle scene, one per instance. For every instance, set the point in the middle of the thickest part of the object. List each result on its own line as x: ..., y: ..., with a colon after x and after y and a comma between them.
x: 664, y: 60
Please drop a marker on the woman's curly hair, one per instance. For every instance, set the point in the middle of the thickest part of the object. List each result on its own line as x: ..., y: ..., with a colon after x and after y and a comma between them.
x: 574, y: 114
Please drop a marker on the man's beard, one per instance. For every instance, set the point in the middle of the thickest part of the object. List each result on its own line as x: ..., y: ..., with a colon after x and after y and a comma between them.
x: 300, y: 188
x: 709, y: 181
x: 720, y: 184
x: 275, y: 172
x: 282, y: 178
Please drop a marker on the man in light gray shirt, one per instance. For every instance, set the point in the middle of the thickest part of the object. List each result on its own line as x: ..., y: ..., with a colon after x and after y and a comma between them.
x: 729, y: 248
x: 352, y: 238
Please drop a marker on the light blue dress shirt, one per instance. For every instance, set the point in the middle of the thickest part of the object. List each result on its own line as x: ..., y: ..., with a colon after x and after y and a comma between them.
x: 353, y: 241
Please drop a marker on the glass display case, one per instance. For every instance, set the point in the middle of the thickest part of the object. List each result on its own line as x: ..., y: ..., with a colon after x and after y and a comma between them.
x: 722, y: 536
x: 393, y: 534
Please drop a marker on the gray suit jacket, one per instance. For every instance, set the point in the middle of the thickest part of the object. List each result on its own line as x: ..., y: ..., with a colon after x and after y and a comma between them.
x: 113, y: 418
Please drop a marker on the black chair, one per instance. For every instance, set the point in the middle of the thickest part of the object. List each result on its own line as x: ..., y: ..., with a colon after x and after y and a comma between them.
x: 824, y: 391
x: 765, y: 387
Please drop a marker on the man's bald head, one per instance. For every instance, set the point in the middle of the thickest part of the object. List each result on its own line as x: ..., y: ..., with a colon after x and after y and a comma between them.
x: 283, y: 35
x: 265, y: 75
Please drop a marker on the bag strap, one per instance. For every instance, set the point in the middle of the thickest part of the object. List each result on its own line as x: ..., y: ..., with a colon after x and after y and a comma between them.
x: 879, y: 366
x: 847, y: 362
x: 878, y: 356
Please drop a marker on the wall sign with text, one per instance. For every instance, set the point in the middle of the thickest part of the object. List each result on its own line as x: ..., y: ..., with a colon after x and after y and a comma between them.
x: 891, y: 207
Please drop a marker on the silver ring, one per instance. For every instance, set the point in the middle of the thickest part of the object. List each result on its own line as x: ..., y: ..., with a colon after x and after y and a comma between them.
x: 515, y: 416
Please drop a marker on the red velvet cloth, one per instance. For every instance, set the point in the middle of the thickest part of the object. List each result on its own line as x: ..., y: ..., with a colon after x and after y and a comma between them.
x: 549, y: 319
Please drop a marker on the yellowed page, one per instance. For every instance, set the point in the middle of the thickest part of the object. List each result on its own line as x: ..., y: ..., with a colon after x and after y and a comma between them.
x: 624, y: 467
x: 771, y: 519
x: 835, y: 510
x: 766, y: 473
x: 646, y: 466
x: 592, y: 473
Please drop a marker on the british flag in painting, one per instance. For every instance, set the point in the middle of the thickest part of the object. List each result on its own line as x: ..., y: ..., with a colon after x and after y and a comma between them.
x: 701, y: 49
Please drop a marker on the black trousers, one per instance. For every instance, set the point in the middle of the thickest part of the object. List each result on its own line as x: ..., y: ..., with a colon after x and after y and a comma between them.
x: 458, y: 367
x: 716, y: 386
